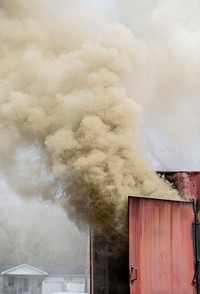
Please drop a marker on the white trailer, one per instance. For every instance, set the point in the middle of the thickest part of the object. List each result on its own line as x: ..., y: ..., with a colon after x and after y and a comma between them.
x: 49, y: 287
x: 75, y: 287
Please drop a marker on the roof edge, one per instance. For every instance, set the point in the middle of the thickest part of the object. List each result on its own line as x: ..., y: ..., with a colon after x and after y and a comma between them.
x: 27, y: 265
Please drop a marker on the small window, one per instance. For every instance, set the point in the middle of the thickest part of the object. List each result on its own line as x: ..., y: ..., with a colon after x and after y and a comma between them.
x: 25, y: 284
x: 39, y: 283
x: 11, y: 281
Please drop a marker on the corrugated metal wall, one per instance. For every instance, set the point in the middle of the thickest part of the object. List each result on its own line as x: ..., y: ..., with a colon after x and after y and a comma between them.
x: 160, y: 246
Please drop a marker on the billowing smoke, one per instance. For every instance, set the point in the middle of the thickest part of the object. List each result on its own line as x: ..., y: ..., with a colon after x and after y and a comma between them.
x: 62, y: 91
x: 167, y: 84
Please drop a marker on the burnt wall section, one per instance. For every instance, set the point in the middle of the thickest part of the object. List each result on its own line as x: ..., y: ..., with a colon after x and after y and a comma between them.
x: 110, y: 268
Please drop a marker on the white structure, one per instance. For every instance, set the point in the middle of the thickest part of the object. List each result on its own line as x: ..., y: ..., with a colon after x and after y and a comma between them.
x: 26, y: 279
x: 22, y: 279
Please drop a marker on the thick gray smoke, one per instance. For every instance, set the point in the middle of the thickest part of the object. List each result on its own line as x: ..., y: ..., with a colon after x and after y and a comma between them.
x: 62, y: 90
x: 39, y: 234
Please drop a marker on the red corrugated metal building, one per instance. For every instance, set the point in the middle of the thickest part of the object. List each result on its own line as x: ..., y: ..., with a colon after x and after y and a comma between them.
x: 163, y: 245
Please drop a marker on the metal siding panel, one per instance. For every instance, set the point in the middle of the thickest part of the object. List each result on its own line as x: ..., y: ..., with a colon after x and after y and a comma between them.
x: 195, y: 184
x: 160, y: 246
x: 185, y: 182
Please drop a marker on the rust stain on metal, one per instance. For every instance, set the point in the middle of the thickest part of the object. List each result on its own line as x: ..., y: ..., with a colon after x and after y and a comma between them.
x: 186, y: 182
x: 160, y: 246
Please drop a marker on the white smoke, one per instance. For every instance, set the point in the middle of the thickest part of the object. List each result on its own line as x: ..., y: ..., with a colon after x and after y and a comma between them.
x: 63, y: 92
x: 166, y: 84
